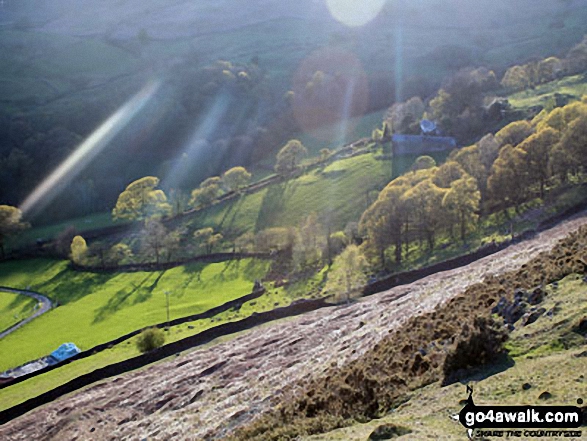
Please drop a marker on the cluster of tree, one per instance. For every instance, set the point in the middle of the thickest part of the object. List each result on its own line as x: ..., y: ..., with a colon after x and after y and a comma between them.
x: 520, y: 77
x: 531, y: 74
x: 503, y: 170
x: 290, y: 155
x: 419, y: 205
x: 212, y: 188
x: 458, y: 108
x: 141, y: 200
x: 11, y: 224
x: 99, y: 254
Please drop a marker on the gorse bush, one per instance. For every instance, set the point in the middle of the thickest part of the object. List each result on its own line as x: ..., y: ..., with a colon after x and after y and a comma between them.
x: 150, y: 339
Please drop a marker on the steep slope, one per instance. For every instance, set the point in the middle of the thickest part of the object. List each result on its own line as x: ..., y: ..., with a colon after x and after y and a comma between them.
x: 208, y: 392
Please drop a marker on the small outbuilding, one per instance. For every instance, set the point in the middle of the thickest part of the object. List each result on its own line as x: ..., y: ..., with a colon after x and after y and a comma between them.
x: 65, y: 351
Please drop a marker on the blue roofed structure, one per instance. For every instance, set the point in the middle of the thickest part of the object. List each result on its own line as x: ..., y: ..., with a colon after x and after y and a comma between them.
x: 421, y: 144
x: 65, y: 351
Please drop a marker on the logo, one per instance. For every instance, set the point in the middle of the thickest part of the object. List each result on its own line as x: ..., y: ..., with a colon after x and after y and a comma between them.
x: 485, y: 420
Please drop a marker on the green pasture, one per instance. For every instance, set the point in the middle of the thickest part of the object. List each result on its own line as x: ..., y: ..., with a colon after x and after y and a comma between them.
x: 14, y: 308
x: 273, y: 298
x: 341, y: 188
x: 543, y: 95
x: 95, y: 308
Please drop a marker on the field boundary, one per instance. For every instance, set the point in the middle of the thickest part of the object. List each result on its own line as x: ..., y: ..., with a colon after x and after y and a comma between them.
x: 236, y: 303
x: 294, y: 309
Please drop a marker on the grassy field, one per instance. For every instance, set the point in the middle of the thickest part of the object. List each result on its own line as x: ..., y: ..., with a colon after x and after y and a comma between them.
x: 543, y: 95
x: 273, y: 298
x: 95, y: 308
x: 342, y: 188
x: 14, y: 308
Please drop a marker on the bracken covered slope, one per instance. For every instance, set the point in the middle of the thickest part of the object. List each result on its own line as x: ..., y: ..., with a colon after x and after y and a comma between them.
x: 210, y: 392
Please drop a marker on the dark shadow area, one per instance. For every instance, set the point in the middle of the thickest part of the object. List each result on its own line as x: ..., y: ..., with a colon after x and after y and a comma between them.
x: 502, y: 364
x: 273, y: 202
x: 116, y: 301
x: 146, y: 293
x: 69, y: 286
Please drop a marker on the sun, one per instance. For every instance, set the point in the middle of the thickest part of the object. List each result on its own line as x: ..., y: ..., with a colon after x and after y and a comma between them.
x: 355, y: 13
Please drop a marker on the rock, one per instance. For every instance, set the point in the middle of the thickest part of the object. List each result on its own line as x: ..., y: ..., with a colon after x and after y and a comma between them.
x: 545, y: 396
x: 388, y: 431
x: 531, y: 317
x: 526, y: 386
x: 581, y: 328
x: 536, y: 296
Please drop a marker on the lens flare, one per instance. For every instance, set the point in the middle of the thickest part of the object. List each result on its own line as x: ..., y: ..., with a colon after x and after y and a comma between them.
x: 75, y: 163
x: 355, y: 13
x: 197, y: 144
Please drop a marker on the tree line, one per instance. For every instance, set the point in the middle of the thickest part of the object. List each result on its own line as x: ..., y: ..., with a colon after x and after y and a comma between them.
x: 520, y: 162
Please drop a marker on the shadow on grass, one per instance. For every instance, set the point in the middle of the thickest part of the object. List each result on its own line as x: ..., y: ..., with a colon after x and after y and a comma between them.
x: 146, y: 293
x: 117, y: 301
x: 273, y: 202
x: 68, y: 286
x: 502, y: 364
x: 232, y: 212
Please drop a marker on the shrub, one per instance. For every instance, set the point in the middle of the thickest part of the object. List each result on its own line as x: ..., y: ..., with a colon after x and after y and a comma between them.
x: 150, y: 339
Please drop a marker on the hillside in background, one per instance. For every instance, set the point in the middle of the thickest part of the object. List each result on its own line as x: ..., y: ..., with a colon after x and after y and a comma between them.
x: 68, y: 65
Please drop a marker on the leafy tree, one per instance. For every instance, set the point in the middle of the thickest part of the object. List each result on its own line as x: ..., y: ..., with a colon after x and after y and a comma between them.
x: 508, y: 179
x: 561, y: 117
x: 574, y: 141
x: 516, y: 78
x: 208, y: 191
x: 275, y: 239
x: 384, y: 219
x: 149, y: 339
x: 206, y: 239
x: 119, y: 253
x: 141, y: 200
x: 463, y: 199
x: 289, y: 156
x: 447, y: 173
x: 325, y: 154
x: 537, y: 148
x: 245, y: 242
x: 309, y: 242
x: 405, y: 117
x: 79, y: 250
x: 576, y: 59
x: 179, y: 201
x: 425, y: 201
x: 10, y: 224
x: 337, y: 242
x: 488, y: 151
x: 235, y: 178
x: 153, y: 238
x: 514, y: 133
x: 348, y: 272
x: 470, y: 160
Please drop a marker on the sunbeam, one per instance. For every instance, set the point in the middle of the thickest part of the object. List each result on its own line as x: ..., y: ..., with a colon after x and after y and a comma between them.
x: 47, y: 190
x: 196, y: 145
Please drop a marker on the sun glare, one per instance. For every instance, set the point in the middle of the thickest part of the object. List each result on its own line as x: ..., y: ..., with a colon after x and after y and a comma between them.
x: 355, y: 13
x: 75, y: 163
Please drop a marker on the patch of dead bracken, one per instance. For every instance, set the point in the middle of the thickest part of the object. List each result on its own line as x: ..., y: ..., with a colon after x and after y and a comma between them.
x: 391, y: 342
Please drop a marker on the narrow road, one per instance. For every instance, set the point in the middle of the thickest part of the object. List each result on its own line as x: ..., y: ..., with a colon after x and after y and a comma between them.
x: 42, y: 307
